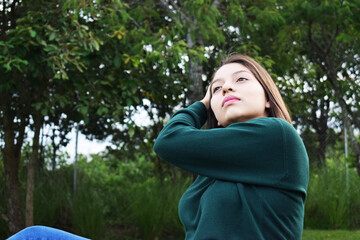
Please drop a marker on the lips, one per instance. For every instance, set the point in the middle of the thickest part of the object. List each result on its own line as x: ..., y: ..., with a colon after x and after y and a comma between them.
x: 229, y: 99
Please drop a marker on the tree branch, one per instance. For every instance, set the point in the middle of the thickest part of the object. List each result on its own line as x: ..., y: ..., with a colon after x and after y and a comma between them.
x: 328, y: 41
x: 4, y: 217
x: 20, y: 137
x: 312, y: 43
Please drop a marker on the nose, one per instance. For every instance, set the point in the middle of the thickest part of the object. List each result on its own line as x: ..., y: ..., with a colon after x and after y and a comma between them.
x: 226, y: 88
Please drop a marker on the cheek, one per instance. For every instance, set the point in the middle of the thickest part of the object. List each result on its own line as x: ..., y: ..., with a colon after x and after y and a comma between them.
x: 214, y: 106
x: 214, y: 102
x: 257, y: 94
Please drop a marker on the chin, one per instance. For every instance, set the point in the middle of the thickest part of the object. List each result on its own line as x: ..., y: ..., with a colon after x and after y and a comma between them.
x: 227, y: 123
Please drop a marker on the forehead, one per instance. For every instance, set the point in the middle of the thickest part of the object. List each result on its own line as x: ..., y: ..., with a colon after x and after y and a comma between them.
x: 229, y: 69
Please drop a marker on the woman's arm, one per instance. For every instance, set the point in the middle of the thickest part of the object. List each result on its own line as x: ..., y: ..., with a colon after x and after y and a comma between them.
x: 254, y: 152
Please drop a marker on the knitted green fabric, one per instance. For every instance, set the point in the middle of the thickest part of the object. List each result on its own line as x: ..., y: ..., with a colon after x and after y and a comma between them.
x: 252, y: 176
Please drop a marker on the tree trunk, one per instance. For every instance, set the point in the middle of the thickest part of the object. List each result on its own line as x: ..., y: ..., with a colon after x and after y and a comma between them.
x: 325, y: 58
x: 54, y: 148
x: 13, y: 217
x: 322, y: 137
x: 29, y: 212
x: 41, y: 160
x: 353, y: 142
x: 196, y: 91
x: 347, y: 120
x: 322, y: 129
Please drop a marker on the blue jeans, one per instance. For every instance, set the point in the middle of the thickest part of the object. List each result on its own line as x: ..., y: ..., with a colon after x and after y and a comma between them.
x: 44, y: 233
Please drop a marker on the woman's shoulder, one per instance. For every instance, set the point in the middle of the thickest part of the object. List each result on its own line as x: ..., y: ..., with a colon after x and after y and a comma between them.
x: 270, y: 120
x: 265, y: 122
x: 273, y: 128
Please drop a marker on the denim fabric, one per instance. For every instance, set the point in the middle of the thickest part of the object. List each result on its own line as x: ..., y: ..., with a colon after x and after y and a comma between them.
x: 44, y: 233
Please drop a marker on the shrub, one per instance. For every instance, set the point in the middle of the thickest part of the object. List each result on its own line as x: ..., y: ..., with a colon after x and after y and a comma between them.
x: 333, y: 199
x: 154, y: 208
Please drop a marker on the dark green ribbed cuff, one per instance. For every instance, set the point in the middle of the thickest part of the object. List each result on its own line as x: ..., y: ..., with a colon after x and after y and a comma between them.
x: 200, y: 110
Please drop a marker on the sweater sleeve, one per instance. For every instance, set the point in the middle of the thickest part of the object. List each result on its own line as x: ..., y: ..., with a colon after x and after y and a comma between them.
x: 264, y: 151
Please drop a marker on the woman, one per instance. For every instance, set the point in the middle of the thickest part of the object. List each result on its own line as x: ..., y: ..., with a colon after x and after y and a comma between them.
x: 252, y: 165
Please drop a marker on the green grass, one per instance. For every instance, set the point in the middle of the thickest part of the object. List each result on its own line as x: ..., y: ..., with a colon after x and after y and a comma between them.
x: 331, y: 235
x: 333, y: 199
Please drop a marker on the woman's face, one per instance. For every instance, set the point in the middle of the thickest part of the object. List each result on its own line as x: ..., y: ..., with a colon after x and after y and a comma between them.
x: 237, y: 96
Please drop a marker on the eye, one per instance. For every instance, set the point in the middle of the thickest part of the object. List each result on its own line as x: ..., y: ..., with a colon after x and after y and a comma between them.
x: 216, y: 89
x: 241, y: 79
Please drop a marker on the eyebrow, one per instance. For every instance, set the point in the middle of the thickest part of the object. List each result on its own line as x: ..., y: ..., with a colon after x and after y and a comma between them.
x: 218, y: 79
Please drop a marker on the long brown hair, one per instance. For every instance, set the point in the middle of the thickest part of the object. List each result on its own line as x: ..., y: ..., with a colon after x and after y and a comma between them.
x: 277, y: 108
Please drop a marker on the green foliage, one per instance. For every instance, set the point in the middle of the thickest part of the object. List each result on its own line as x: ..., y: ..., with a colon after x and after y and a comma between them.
x: 153, y: 209
x: 130, y: 200
x: 333, y: 199
x: 88, y: 212
x: 129, y: 194
x: 53, y: 197
x: 129, y: 197
x: 98, y: 62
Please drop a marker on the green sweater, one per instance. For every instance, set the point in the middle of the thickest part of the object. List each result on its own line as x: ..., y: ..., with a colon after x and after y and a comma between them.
x: 252, y: 176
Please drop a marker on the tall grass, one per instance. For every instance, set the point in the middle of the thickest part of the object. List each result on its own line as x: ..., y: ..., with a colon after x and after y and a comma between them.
x: 88, y: 214
x: 53, y: 196
x: 333, y: 199
x: 56, y: 205
x: 130, y: 201
x: 154, y: 207
x: 131, y: 197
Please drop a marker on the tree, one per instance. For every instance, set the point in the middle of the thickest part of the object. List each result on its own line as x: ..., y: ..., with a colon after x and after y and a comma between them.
x: 51, y: 66
x: 36, y: 51
x: 318, y: 38
x: 326, y: 33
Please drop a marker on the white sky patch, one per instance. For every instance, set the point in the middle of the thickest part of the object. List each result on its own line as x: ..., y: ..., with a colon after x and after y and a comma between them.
x: 148, y: 48
x: 208, y: 50
x: 234, y: 29
x: 183, y: 60
x: 85, y: 146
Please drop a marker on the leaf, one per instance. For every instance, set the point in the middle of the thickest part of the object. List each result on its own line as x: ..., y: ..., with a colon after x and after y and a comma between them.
x: 84, y: 110
x: 102, y: 110
x: 7, y: 66
x: 52, y: 36
x: 38, y: 106
x: 44, y: 111
x: 96, y: 45
x: 117, y: 61
x: 131, y: 132
x: 42, y: 42
x: 32, y: 33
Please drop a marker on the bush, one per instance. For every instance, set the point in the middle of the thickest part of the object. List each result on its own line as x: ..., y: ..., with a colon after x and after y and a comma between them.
x: 88, y: 214
x: 333, y: 199
x: 154, y: 208
x: 130, y: 198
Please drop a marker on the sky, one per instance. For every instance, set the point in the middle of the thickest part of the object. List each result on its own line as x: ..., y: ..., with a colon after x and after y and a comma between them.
x: 87, y: 147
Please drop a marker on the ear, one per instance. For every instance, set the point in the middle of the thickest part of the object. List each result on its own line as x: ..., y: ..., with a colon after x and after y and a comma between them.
x: 267, y: 104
